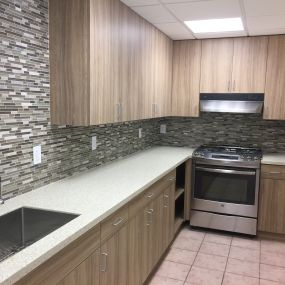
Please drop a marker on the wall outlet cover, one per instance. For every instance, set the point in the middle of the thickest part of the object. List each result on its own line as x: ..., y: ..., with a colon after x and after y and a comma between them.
x: 140, y: 132
x: 94, y: 143
x: 163, y: 129
x: 37, y: 154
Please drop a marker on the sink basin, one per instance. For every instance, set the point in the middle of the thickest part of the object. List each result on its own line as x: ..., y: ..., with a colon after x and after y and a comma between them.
x: 24, y: 226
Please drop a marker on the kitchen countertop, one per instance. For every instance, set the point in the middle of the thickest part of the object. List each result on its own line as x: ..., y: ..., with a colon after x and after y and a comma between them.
x: 273, y: 158
x: 94, y: 195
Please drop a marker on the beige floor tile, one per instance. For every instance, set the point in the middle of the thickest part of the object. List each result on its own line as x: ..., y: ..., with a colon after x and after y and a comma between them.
x: 273, y: 273
x: 244, y: 254
x: 234, y: 279
x: 159, y: 280
x: 173, y: 270
x: 246, y: 243
x: 215, y: 248
x: 242, y: 267
x: 210, y: 261
x: 181, y: 256
x: 202, y: 276
x: 273, y: 246
x: 267, y: 282
x: 192, y: 234
x: 272, y: 258
x: 187, y: 243
x: 218, y: 238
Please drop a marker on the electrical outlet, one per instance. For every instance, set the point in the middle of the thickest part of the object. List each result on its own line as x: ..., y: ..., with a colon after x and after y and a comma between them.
x: 37, y: 154
x: 140, y: 133
x: 163, y: 129
x: 94, y: 143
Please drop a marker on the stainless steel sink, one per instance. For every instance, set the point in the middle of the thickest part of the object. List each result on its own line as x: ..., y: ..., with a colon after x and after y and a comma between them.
x: 24, y: 226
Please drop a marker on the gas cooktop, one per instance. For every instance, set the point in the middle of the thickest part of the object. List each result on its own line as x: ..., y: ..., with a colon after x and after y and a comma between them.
x: 235, y: 153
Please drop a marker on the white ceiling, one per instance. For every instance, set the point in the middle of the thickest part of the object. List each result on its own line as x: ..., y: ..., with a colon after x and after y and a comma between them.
x: 260, y: 17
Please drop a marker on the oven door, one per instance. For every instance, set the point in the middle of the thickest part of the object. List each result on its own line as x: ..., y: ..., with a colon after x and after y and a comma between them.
x: 226, y: 190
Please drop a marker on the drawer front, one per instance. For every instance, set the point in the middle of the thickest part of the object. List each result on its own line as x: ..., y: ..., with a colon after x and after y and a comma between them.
x: 151, y: 193
x: 273, y: 171
x: 113, y: 223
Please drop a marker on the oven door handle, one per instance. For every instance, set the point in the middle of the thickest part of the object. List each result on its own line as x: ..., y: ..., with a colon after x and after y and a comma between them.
x: 226, y: 171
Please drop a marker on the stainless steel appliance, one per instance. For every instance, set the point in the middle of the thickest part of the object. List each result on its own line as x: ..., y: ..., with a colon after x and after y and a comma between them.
x: 231, y: 103
x: 225, y: 188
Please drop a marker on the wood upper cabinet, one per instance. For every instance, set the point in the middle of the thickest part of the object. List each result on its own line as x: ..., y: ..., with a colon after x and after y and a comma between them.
x: 216, y: 65
x: 274, y: 105
x: 249, y: 65
x: 107, y: 64
x: 186, y: 78
x: 236, y: 65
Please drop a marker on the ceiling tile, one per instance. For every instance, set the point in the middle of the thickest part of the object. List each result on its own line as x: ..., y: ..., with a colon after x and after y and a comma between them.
x: 173, y: 29
x: 265, y: 24
x: 221, y: 35
x: 155, y: 14
x: 132, y: 3
x: 206, y: 10
x: 264, y: 7
x: 182, y: 37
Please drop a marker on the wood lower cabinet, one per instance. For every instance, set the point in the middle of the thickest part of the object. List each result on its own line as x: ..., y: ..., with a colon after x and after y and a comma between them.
x: 87, y: 273
x: 271, y: 215
x: 114, y: 259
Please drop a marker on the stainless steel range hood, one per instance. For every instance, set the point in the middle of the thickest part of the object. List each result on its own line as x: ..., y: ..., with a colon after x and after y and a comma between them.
x: 231, y: 103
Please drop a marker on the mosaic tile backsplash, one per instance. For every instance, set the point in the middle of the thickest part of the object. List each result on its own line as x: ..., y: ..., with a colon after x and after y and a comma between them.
x: 25, y: 115
x: 230, y: 129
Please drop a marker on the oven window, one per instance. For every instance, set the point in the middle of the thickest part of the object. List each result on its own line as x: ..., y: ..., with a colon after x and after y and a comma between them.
x: 225, y: 187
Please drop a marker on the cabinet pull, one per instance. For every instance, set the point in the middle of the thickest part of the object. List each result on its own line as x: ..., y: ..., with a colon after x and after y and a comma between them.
x: 165, y: 205
x: 275, y: 172
x: 149, y: 195
x: 171, y: 179
x: 119, y: 221
x: 104, y: 268
x: 149, y: 220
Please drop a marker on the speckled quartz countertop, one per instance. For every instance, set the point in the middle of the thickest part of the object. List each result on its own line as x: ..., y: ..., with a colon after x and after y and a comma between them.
x: 273, y: 158
x: 94, y: 195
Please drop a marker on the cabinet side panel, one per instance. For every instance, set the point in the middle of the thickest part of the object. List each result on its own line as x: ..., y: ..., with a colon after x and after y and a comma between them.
x: 69, y: 61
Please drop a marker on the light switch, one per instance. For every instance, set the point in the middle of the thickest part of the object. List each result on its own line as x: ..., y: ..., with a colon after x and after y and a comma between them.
x: 140, y: 133
x: 163, y: 129
x: 37, y: 154
x: 94, y: 143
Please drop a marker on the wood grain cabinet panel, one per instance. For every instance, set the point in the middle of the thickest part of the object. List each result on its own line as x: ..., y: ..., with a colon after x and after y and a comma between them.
x: 249, y: 65
x: 216, y: 65
x: 274, y: 104
x: 186, y: 78
x: 107, y: 64
x: 271, y: 217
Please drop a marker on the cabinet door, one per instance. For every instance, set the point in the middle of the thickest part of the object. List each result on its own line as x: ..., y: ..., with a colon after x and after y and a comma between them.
x: 114, y: 259
x: 186, y: 78
x: 271, y: 217
x: 274, y: 104
x: 249, y: 65
x: 87, y: 273
x: 216, y: 65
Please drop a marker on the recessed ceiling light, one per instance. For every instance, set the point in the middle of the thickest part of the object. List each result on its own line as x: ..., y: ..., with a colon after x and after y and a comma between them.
x: 215, y: 25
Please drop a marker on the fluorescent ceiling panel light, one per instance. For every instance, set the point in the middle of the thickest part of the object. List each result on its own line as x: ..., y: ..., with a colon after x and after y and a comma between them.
x: 215, y: 25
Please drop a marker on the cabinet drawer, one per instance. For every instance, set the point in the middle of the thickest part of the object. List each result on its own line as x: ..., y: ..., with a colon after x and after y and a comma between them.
x: 151, y: 193
x: 273, y: 171
x: 114, y: 223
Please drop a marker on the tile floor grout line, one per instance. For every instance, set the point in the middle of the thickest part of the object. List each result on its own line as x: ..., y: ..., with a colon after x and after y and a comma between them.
x: 227, y: 261
x: 195, y: 256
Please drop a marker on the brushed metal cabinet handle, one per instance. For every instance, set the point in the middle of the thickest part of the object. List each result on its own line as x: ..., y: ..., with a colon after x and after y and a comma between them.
x: 165, y: 205
x: 104, y: 268
x: 171, y: 179
x: 275, y: 172
x: 150, y: 219
x: 119, y: 221
x: 149, y: 195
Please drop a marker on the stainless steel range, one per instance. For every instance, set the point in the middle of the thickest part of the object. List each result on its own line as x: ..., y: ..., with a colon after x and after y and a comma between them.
x: 226, y: 188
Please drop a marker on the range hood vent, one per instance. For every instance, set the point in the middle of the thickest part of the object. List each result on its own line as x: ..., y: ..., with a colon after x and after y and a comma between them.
x: 232, y: 103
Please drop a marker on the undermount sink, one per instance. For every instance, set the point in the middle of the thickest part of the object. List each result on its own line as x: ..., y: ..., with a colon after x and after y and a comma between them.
x: 24, y: 226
